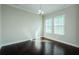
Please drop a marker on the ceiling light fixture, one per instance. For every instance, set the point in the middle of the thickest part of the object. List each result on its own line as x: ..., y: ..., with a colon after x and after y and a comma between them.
x: 40, y: 10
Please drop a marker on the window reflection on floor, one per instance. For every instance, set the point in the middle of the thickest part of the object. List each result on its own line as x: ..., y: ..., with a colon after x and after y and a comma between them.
x: 48, y: 49
x: 58, y: 50
x: 52, y: 49
x: 38, y: 44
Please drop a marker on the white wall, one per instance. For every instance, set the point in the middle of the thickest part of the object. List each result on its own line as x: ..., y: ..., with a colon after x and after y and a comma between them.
x: 0, y: 25
x: 70, y: 36
x: 78, y: 24
x: 18, y: 25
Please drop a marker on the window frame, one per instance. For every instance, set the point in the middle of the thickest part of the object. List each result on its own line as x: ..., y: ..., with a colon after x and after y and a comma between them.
x: 59, y: 25
x: 49, y: 25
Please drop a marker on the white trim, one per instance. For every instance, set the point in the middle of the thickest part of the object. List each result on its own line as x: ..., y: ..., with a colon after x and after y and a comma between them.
x: 18, y: 7
x: 13, y: 43
x: 74, y: 45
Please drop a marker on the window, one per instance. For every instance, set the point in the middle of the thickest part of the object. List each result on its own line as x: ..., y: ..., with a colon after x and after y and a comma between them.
x: 48, y: 25
x: 59, y: 25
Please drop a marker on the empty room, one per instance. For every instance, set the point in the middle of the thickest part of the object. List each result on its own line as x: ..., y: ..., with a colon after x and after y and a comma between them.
x: 39, y: 29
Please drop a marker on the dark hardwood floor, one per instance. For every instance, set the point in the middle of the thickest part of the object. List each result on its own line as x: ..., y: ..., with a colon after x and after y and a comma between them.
x: 43, y: 47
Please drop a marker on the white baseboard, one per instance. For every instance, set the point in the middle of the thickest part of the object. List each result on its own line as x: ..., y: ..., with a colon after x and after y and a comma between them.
x: 74, y: 45
x: 13, y: 42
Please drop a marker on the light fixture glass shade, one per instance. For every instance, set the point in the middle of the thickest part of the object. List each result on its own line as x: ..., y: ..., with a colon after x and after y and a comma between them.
x: 40, y: 12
